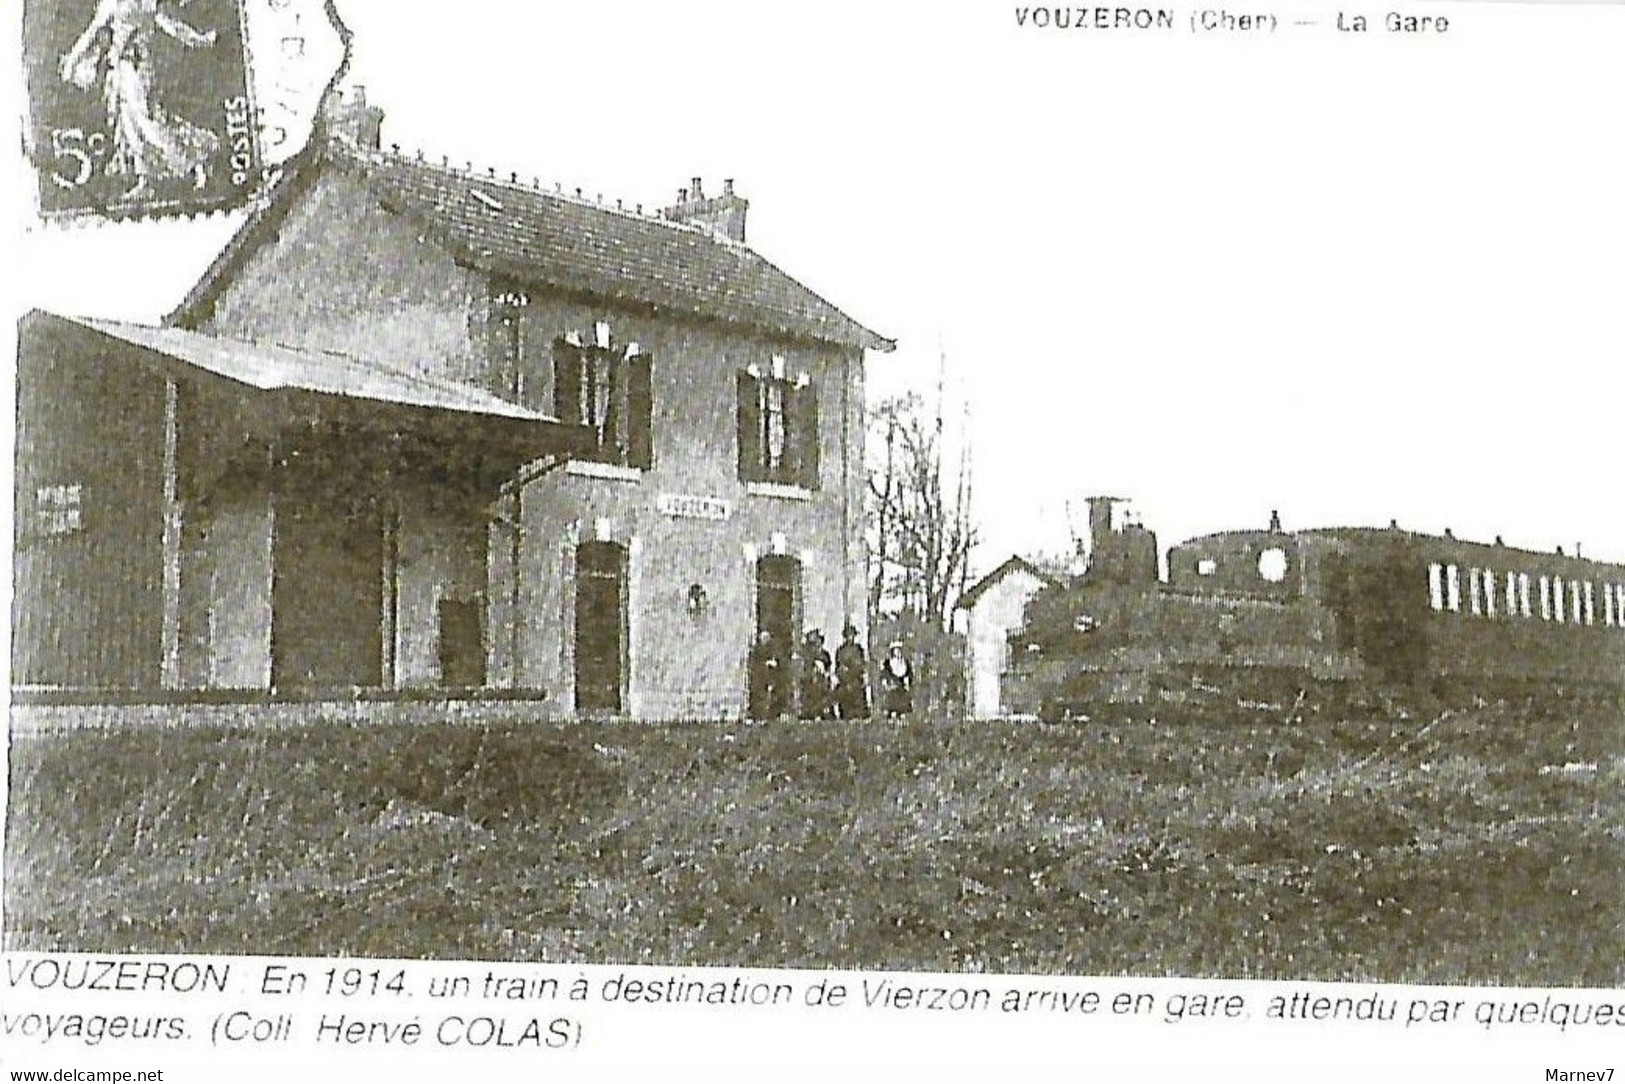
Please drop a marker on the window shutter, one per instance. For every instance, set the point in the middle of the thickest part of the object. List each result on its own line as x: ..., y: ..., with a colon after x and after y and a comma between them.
x: 567, y: 382
x: 607, y: 366
x: 750, y: 429
x: 806, y: 434
x: 640, y: 412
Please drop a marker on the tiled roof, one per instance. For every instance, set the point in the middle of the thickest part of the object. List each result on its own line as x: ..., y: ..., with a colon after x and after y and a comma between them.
x: 272, y: 367
x: 550, y: 239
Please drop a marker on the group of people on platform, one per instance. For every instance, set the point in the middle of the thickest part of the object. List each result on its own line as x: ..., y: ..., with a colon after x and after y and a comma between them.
x: 817, y: 685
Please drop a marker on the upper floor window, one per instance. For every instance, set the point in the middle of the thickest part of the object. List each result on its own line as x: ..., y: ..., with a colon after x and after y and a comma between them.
x: 606, y: 386
x: 778, y: 426
x: 508, y: 325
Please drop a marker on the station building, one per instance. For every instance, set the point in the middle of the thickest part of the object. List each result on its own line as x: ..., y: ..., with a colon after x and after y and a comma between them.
x: 420, y: 428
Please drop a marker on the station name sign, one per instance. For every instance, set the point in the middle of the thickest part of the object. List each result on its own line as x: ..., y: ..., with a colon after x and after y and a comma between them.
x: 685, y: 506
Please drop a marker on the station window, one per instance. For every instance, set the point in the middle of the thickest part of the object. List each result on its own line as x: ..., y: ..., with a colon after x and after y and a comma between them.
x: 1574, y: 602
x: 1545, y: 599
x: 1436, y: 586
x: 1475, y: 592
x: 606, y: 386
x: 1608, y: 605
x: 1524, y: 606
x: 1452, y: 588
x: 1558, y: 609
x: 1590, y: 602
x: 1489, y: 593
x: 509, y: 324
x: 778, y: 426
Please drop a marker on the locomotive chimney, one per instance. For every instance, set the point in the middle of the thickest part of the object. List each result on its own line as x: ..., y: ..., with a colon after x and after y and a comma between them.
x: 1100, y: 523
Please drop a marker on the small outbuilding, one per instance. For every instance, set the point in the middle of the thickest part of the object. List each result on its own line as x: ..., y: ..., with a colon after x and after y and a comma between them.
x: 987, y: 613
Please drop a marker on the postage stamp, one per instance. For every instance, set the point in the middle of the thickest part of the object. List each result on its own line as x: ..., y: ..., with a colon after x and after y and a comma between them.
x: 151, y: 107
x: 139, y: 106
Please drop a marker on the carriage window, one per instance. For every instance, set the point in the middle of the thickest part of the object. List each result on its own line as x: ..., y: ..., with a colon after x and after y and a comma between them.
x: 1207, y: 566
x: 1436, y: 586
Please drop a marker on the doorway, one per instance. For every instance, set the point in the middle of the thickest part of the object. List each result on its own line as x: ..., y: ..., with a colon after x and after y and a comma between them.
x: 327, y: 597
x: 600, y: 626
x: 462, y: 643
x: 778, y: 599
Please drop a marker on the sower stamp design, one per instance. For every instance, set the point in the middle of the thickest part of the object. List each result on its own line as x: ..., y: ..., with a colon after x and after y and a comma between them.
x: 140, y: 107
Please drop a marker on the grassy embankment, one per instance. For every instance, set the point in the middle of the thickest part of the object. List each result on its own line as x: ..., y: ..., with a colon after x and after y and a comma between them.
x: 1433, y: 849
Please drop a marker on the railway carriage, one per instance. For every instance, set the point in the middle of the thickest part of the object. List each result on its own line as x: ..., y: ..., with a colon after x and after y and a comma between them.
x: 1317, y: 614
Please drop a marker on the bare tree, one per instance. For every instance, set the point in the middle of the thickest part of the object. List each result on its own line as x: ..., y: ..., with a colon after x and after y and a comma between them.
x: 920, y: 530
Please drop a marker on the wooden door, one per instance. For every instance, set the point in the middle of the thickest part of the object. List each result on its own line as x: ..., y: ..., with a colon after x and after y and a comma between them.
x: 600, y: 626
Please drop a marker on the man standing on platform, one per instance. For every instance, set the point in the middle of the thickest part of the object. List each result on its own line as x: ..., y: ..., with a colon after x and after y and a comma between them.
x: 851, y: 677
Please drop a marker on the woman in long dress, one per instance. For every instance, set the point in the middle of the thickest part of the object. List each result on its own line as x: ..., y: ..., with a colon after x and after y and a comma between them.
x: 897, y: 683
x: 149, y: 143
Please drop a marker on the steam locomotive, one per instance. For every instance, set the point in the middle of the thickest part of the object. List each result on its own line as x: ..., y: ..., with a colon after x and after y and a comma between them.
x: 1266, y: 613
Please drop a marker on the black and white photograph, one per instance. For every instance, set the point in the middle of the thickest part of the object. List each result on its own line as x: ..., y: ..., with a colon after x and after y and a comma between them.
x: 565, y: 524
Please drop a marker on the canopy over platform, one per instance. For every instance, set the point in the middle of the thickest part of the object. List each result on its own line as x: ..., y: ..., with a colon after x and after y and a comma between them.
x: 301, y: 400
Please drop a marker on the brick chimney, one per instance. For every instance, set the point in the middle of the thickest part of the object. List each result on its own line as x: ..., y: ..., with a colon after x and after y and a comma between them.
x: 723, y: 215
x: 347, y: 117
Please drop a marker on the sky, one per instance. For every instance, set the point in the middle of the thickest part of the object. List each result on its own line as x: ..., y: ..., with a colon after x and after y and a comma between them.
x: 1354, y: 278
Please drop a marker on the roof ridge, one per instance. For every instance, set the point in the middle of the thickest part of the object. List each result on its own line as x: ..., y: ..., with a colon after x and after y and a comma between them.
x: 420, y: 160
x: 508, y: 226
